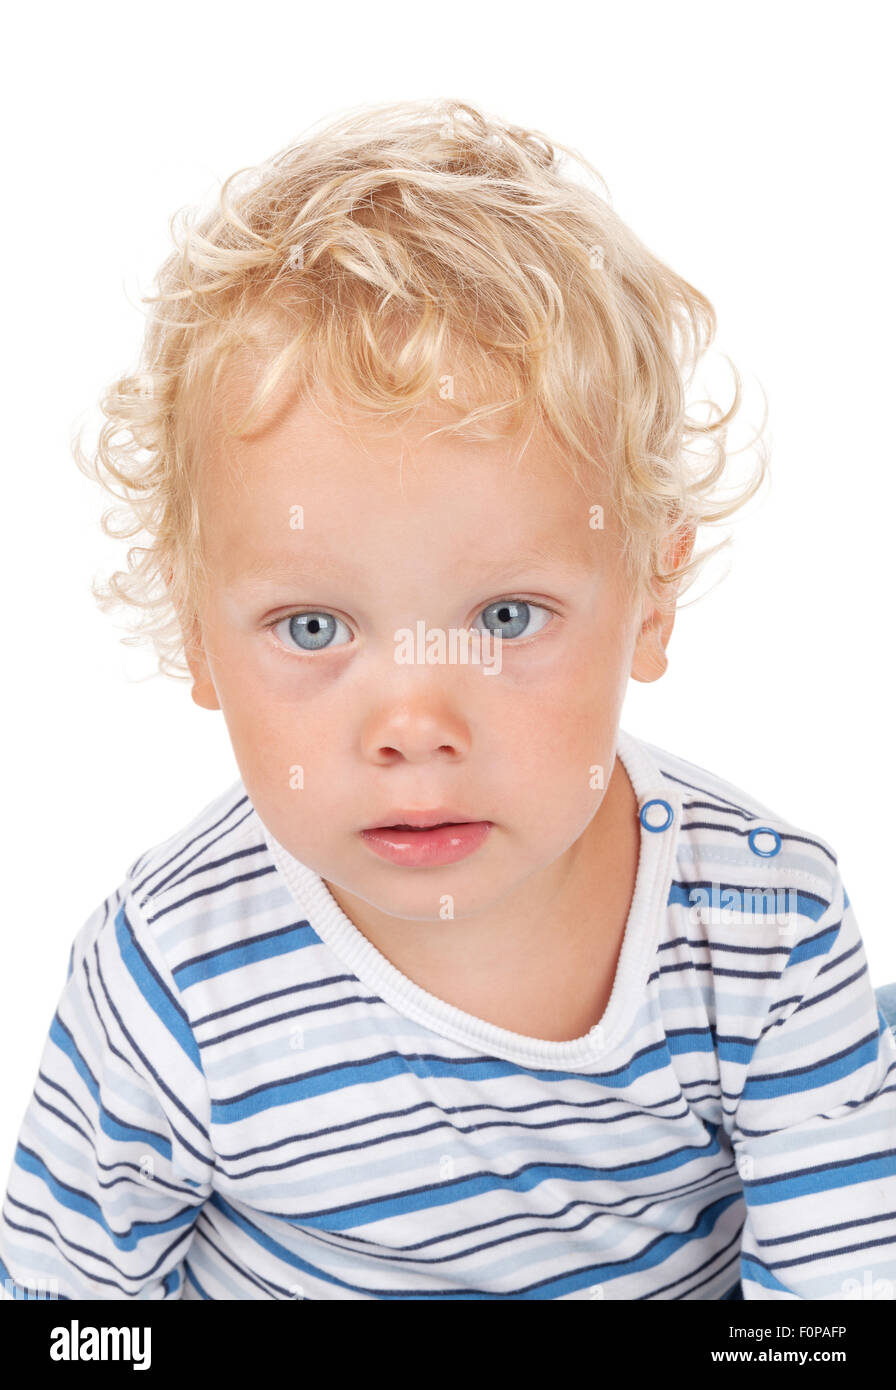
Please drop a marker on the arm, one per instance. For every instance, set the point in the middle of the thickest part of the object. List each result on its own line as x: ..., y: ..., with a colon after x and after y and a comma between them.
x: 113, y: 1160
x: 814, y: 1128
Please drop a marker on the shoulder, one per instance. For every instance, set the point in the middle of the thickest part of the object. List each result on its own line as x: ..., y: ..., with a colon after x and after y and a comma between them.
x: 729, y: 836
x: 200, y: 851
x: 175, y: 883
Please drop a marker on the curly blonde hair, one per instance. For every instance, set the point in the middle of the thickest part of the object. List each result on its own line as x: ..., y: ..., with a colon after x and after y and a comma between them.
x: 354, y: 264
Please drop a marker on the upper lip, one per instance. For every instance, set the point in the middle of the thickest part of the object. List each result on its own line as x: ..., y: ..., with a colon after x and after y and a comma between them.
x: 420, y: 820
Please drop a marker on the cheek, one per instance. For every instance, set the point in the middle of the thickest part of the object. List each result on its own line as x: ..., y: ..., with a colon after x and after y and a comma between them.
x: 544, y: 750
x: 287, y: 769
x: 555, y: 744
x: 268, y: 735
x: 577, y: 691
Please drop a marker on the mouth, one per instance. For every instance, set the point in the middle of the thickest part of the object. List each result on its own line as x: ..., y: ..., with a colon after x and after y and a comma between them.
x: 426, y: 839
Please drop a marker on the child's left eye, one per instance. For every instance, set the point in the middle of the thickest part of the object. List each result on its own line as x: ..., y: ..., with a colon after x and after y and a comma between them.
x: 512, y: 615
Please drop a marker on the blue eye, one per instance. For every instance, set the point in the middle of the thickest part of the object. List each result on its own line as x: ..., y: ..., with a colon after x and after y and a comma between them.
x: 311, y: 631
x: 511, y: 617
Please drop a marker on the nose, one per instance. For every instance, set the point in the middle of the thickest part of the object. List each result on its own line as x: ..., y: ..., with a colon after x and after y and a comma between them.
x: 415, y: 729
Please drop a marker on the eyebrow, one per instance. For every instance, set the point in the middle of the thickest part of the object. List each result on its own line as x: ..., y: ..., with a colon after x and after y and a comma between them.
x: 299, y: 569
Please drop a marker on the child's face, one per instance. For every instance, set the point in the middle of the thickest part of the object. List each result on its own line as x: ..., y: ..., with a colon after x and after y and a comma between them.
x: 394, y: 533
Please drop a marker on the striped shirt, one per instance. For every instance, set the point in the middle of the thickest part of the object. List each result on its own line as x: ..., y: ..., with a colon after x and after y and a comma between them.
x: 241, y: 1098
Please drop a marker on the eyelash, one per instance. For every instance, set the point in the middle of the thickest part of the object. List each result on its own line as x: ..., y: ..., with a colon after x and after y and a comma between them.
x: 511, y: 641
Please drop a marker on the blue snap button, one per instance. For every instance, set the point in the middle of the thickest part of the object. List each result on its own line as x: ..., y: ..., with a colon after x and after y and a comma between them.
x: 764, y: 830
x: 657, y: 801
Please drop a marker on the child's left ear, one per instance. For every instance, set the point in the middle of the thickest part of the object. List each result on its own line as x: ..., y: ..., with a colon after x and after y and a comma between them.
x: 650, y: 661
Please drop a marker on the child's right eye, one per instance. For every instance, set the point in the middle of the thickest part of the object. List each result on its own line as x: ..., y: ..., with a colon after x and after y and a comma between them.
x: 310, y: 632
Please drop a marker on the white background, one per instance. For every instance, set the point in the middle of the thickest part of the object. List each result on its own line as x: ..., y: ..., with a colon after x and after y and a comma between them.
x: 748, y: 144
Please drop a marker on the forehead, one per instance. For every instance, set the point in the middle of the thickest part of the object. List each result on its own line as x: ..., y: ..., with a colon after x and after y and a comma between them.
x: 342, y: 489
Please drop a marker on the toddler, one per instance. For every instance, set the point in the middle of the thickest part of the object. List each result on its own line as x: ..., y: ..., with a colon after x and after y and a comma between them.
x: 461, y: 991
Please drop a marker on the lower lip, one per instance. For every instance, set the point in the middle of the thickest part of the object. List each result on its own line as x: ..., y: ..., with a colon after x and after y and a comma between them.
x: 443, y: 844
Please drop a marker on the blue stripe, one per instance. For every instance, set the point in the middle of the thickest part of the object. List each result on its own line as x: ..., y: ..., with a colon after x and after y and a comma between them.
x: 751, y: 1268
x: 830, y: 1178
x: 110, y: 1125
x: 84, y: 1205
x: 723, y: 896
x: 812, y: 946
x: 195, y: 1282
x: 159, y: 999
x: 800, y: 1079
x: 246, y: 952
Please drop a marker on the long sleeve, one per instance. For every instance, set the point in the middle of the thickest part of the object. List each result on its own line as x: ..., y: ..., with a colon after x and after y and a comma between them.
x: 814, y: 1127
x: 113, y: 1162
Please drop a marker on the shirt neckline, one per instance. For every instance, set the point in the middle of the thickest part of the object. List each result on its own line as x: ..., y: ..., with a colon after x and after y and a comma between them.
x: 646, y: 914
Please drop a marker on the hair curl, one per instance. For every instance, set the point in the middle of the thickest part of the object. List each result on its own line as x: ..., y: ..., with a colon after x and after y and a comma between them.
x: 396, y: 239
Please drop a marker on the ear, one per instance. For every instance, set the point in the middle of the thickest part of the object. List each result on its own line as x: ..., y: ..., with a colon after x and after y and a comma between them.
x: 203, y: 693
x: 649, y: 660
